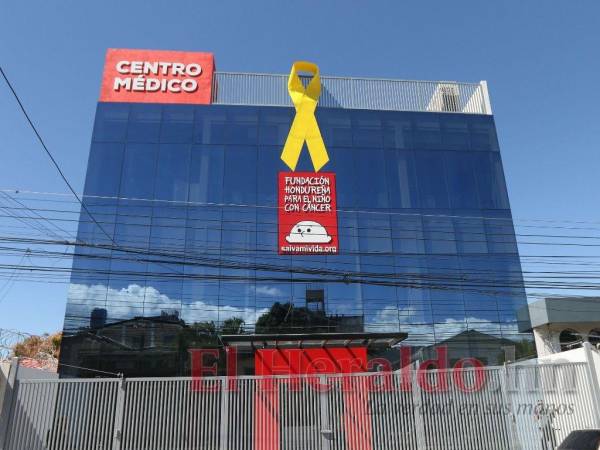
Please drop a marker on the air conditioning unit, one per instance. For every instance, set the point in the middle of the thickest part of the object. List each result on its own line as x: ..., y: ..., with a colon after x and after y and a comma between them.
x: 445, y: 98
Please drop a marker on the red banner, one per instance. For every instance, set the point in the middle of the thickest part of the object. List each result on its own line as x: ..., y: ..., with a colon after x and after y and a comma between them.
x: 307, y: 213
x: 355, y: 413
x: 155, y: 76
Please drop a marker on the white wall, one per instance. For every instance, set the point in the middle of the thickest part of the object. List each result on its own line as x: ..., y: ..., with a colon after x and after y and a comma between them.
x: 575, y: 355
x: 547, y: 337
x: 4, y: 370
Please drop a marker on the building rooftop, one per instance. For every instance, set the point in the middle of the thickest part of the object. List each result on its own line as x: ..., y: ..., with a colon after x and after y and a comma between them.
x: 564, y: 310
x: 261, y: 89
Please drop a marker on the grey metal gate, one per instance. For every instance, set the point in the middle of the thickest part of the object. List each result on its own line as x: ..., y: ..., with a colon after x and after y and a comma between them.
x: 491, y: 408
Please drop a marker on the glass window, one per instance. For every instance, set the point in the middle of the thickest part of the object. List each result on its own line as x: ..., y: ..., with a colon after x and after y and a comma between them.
x: 103, y: 211
x: 242, y: 126
x: 239, y: 230
x: 172, y: 172
x: 210, y: 125
x: 397, y: 131
x: 500, y: 236
x: 200, y: 295
x: 348, y: 232
x: 407, y: 234
x: 490, y: 181
x: 139, y: 169
x: 401, y: 179
x: 168, y: 230
x: 269, y: 166
x: 448, y: 272
x: 439, y: 235
x: 104, y: 169
x: 455, y: 132
x: 144, y: 123
x: 483, y: 134
x: 206, y: 174
x: 342, y: 163
x: 111, y: 122
x: 470, y: 235
x: 203, y: 230
x: 427, y: 131
x: 432, y: 184
x: 239, y: 182
x: 594, y: 337
x: 366, y: 130
x: 374, y: 232
x: 275, y: 125
x: 177, y: 124
x: 570, y: 339
x: 370, y: 185
x: 462, y: 184
x: 335, y: 127
x: 266, y: 231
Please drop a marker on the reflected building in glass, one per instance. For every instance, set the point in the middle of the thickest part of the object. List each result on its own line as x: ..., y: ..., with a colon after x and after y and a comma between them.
x: 185, y: 245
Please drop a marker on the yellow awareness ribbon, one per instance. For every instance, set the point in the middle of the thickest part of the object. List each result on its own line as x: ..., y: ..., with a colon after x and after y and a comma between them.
x: 305, y: 126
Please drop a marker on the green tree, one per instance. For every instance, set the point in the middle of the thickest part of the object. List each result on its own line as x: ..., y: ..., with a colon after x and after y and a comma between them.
x: 289, y: 318
x: 234, y: 325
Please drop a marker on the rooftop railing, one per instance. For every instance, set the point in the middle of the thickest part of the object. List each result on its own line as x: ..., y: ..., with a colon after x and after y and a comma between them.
x: 355, y: 93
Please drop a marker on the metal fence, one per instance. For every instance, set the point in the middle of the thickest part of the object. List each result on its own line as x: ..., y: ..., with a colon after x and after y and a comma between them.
x: 526, y: 407
x: 355, y: 93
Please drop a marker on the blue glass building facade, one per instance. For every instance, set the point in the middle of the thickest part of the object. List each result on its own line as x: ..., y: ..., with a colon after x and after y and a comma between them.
x: 183, y: 241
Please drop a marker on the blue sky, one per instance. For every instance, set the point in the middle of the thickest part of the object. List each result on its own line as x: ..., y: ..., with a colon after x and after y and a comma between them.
x: 540, y: 59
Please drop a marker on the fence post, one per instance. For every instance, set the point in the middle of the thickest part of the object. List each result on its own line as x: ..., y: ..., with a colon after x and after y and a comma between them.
x: 594, y: 383
x: 7, y: 402
x: 515, y: 442
x: 119, y: 414
x: 326, y: 432
x: 487, y: 106
x: 224, y: 425
x: 418, y: 408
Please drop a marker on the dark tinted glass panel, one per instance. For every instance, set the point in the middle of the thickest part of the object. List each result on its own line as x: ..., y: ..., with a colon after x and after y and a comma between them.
x: 242, y: 126
x: 462, y: 182
x: 111, y: 122
x: 427, y: 244
x: 104, y: 169
x: 397, y: 131
x: 177, y: 124
x: 401, y: 179
x: 206, y: 174
x: 335, y: 127
x: 139, y: 167
x: 144, y: 123
x: 239, y: 182
x: 370, y: 167
x: 490, y: 180
x: 433, y: 191
x: 210, y: 125
x: 367, y: 130
x: 427, y: 132
x: 172, y: 172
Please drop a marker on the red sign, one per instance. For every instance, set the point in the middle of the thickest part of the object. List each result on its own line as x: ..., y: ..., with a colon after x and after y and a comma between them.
x: 310, y: 361
x: 156, y: 76
x: 355, y: 413
x: 307, y: 213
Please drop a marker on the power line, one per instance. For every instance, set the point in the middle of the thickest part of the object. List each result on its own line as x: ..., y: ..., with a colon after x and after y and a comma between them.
x: 385, y: 211
x: 39, y: 137
x: 35, y: 213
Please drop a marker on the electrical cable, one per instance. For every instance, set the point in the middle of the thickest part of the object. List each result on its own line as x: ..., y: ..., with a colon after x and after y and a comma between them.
x: 39, y: 137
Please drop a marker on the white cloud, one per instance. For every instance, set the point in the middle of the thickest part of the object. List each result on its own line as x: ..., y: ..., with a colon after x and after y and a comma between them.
x: 387, y: 319
x: 135, y: 300
x: 269, y: 291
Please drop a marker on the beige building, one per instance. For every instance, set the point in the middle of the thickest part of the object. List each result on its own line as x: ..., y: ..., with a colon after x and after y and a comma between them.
x: 565, y: 323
